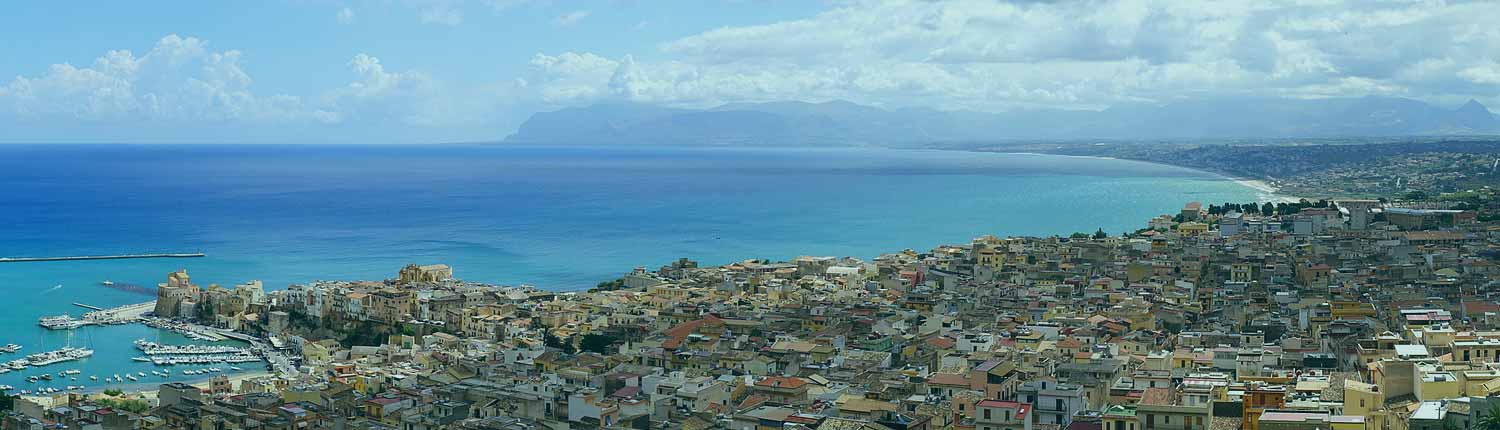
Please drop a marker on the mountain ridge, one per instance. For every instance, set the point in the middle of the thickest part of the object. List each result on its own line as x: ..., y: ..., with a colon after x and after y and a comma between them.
x: 840, y: 122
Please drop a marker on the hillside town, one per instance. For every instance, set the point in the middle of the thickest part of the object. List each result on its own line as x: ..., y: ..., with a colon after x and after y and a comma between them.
x: 1343, y: 315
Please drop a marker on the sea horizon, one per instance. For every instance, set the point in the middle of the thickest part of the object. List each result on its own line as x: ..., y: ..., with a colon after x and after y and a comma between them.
x: 1162, y: 189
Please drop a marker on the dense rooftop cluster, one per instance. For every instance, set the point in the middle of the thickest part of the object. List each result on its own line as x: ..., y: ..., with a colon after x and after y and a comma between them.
x: 1349, y: 316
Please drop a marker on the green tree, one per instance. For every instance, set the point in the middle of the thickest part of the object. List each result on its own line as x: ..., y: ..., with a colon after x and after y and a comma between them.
x: 1100, y: 234
x: 595, y: 342
x: 1490, y: 420
x: 1267, y: 209
x: 553, y: 341
x: 1078, y: 235
x: 206, y: 312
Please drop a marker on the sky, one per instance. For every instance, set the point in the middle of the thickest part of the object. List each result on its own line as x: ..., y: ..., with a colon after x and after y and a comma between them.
x: 423, y: 71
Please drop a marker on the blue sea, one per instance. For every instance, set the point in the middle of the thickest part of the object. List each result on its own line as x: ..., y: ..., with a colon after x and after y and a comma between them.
x: 559, y: 218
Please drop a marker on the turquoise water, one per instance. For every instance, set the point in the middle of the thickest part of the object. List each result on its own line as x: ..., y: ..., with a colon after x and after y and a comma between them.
x: 556, y: 218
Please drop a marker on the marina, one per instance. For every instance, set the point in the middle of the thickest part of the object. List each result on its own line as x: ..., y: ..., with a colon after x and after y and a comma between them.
x: 153, y: 348
x: 99, y: 316
x: 49, y: 358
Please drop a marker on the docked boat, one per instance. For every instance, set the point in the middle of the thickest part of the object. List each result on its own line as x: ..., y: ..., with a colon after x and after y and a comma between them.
x: 10, y: 348
x: 51, y: 357
x: 59, y: 322
x: 153, y: 348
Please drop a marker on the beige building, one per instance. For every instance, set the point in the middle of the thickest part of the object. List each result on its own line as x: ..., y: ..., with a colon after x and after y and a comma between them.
x: 431, y: 273
x: 392, y: 306
x: 172, y: 294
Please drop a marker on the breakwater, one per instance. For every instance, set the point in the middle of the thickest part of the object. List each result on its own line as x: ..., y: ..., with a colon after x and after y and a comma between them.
x: 99, y: 257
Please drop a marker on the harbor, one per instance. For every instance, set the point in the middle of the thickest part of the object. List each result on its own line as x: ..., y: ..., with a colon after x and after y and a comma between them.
x: 90, y: 348
x: 98, y: 316
x: 160, y: 355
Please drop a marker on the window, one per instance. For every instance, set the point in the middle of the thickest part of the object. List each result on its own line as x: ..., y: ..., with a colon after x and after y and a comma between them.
x: 986, y: 414
x: 1060, y: 405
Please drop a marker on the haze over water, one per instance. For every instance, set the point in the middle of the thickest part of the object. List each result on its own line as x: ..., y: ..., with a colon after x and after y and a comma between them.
x: 558, y: 218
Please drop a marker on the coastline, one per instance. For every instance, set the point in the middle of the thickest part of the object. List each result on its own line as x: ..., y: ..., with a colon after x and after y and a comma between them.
x: 1268, y: 192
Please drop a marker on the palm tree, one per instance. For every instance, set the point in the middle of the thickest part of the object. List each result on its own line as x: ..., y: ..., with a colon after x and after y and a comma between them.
x: 1490, y: 420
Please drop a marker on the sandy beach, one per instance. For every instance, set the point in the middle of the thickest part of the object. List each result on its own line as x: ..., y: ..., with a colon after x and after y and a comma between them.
x: 1267, y: 191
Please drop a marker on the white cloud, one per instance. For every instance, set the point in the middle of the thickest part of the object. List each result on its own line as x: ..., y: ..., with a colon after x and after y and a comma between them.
x: 379, y: 95
x: 996, y: 55
x: 957, y: 54
x: 180, y: 81
x: 441, y: 12
x: 570, y: 19
x: 504, y: 5
x: 570, y: 78
x: 345, y: 16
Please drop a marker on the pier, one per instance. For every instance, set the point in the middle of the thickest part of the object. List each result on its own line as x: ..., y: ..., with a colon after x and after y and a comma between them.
x: 133, y: 288
x: 120, y: 314
x: 99, y: 316
x: 99, y: 257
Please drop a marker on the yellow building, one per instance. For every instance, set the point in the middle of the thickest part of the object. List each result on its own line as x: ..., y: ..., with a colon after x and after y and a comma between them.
x: 1192, y: 228
x: 1475, y: 381
x: 1348, y: 310
x: 1437, y: 385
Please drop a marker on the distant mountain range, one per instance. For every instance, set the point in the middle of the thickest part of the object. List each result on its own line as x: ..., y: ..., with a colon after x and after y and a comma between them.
x: 845, y: 123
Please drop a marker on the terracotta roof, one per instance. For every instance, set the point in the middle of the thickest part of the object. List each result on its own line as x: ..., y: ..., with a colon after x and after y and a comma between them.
x: 943, y: 342
x: 948, y: 379
x: 680, y: 332
x: 788, y: 382
x: 1157, y: 397
x: 1480, y: 307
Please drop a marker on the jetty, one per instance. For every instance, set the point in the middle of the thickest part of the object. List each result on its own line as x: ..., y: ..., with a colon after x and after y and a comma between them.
x: 133, y: 288
x: 100, y: 316
x: 99, y: 257
x: 87, y: 306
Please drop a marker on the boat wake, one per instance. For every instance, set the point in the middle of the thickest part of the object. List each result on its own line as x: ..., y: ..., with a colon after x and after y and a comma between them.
x: 54, y: 288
